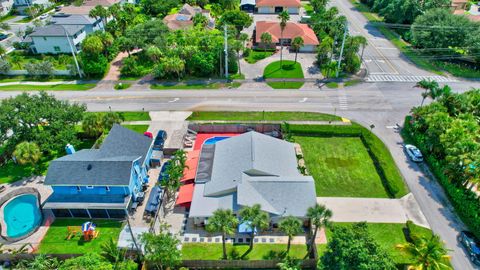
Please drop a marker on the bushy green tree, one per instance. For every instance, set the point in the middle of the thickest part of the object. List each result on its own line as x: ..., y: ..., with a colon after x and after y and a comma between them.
x: 161, y: 250
x: 27, y: 153
x: 236, y: 18
x: 46, y: 121
x: 352, y: 248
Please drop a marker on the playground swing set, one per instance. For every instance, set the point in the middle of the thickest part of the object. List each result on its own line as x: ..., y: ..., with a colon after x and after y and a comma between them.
x: 88, y: 230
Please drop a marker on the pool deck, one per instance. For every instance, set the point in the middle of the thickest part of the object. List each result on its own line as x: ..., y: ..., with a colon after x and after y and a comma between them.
x: 45, y: 191
x: 202, y: 137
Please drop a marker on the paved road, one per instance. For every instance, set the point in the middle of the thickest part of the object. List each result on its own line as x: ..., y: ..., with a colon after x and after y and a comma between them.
x: 381, y: 104
x: 381, y: 57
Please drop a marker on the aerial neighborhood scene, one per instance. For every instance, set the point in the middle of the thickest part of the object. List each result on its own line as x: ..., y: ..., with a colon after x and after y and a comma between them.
x: 239, y: 134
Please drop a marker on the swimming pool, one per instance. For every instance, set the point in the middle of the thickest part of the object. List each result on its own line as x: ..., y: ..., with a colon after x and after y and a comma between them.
x: 22, y: 215
x: 216, y: 139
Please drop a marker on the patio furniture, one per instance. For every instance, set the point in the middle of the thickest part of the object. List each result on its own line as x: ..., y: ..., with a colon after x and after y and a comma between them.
x: 73, y: 231
x: 2, y: 188
x: 133, y: 207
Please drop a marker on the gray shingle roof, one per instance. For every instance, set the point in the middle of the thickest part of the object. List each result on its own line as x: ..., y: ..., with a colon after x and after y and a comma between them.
x: 110, y: 165
x: 54, y: 30
x: 249, y: 169
x: 74, y: 19
x: 252, y: 153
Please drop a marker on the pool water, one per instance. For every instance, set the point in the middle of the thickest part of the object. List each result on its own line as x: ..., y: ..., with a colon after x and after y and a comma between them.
x: 214, y: 140
x: 22, y: 215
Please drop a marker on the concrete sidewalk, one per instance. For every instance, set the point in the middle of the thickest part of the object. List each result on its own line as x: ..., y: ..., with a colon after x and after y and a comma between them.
x: 375, y: 210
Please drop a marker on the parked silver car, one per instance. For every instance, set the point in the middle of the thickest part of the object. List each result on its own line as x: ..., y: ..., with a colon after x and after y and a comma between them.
x: 413, y: 153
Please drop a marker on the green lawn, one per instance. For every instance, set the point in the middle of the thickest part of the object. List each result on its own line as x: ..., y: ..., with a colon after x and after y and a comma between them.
x: 137, y: 128
x: 388, y: 235
x: 352, y: 82
x: 54, y: 241
x: 256, y: 56
x: 57, y: 87
x: 332, y: 85
x: 341, y: 167
x: 12, y: 172
x: 260, y: 116
x: 136, y: 116
x: 204, y: 251
x: 121, y: 86
x: 195, y: 86
x: 18, y: 59
x: 288, y: 70
x: 7, y: 17
x: 25, y: 20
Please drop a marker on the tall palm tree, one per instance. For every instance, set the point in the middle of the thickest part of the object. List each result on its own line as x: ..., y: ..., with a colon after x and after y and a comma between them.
x: 99, y: 12
x: 237, y: 46
x: 284, y: 17
x: 319, y: 216
x: 266, y: 40
x: 225, y: 222
x: 427, y: 86
x: 427, y: 254
x: 243, y: 37
x: 291, y: 226
x: 27, y: 153
x: 363, y: 42
x: 256, y: 219
x: 297, y: 43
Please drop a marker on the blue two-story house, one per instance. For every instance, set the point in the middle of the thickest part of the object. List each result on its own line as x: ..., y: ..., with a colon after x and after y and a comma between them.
x: 100, y: 183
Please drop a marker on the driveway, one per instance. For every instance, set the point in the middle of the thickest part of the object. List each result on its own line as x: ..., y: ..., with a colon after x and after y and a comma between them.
x: 375, y: 210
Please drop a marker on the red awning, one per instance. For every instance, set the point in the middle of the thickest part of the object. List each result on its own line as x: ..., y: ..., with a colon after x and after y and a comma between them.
x: 190, y: 166
x: 193, y: 154
x: 185, y: 194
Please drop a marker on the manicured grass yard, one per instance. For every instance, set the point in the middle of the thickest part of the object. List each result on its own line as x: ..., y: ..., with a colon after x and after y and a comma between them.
x: 57, y: 87
x: 388, y: 235
x: 288, y: 70
x: 341, y: 167
x: 136, y: 116
x: 137, y: 128
x: 259, y: 116
x: 18, y: 59
x: 203, y: 251
x: 55, y: 241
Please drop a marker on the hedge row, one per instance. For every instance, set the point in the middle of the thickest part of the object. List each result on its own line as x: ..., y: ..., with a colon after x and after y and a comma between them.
x: 465, y: 202
x: 382, y: 159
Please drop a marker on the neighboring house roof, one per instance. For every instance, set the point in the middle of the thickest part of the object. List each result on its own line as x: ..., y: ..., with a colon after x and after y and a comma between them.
x: 87, y: 6
x: 183, y: 19
x: 291, y: 31
x: 109, y: 165
x: 247, y: 2
x: 73, y: 19
x: 278, y: 3
x: 248, y: 169
x: 54, y: 30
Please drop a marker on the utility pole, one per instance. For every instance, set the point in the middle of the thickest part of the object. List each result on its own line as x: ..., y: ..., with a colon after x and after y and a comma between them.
x: 73, y: 53
x: 341, y: 50
x: 226, y: 50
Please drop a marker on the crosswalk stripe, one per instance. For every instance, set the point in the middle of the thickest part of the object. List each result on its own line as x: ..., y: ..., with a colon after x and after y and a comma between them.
x: 406, y: 78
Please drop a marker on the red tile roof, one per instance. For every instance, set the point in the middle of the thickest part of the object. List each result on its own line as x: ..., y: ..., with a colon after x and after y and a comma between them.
x: 291, y: 31
x: 278, y: 3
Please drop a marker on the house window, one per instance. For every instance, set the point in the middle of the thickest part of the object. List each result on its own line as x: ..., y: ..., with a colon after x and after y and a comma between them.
x: 79, y: 188
x: 75, y: 36
x: 107, y: 188
x: 44, y: 38
x: 89, y: 187
x: 56, y: 48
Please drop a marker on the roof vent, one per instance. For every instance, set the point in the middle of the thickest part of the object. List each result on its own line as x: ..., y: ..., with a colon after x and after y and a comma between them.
x: 89, y: 167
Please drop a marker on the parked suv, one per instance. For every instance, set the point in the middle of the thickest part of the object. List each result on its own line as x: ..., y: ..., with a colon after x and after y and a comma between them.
x: 470, y: 243
x: 413, y: 152
x: 160, y: 140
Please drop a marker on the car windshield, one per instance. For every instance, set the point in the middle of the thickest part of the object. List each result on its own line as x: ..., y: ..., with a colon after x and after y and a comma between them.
x: 416, y: 152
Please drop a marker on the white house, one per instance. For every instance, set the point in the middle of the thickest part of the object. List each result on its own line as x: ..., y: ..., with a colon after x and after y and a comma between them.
x: 53, y: 38
x: 277, y: 6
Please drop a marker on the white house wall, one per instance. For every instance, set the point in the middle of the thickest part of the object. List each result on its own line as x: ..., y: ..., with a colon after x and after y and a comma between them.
x: 47, y: 44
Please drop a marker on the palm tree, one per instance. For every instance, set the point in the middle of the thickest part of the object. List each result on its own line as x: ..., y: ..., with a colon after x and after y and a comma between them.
x: 319, y: 216
x: 266, y: 40
x: 291, y: 226
x: 3, y: 51
x: 257, y: 219
x: 99, y: 12
x: 284, y: 17
x: 225, y: 222
x: 297, y: 43
x: 429, y: 87
x: 427, y: 253
x: 237, y: 46
x: 363, y: 42
x: 27, y: 153
x: 174, y: 65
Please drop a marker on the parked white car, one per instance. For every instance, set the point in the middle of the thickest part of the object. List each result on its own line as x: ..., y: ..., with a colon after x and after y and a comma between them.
x: 413, y: 153
x: 44, y: 16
